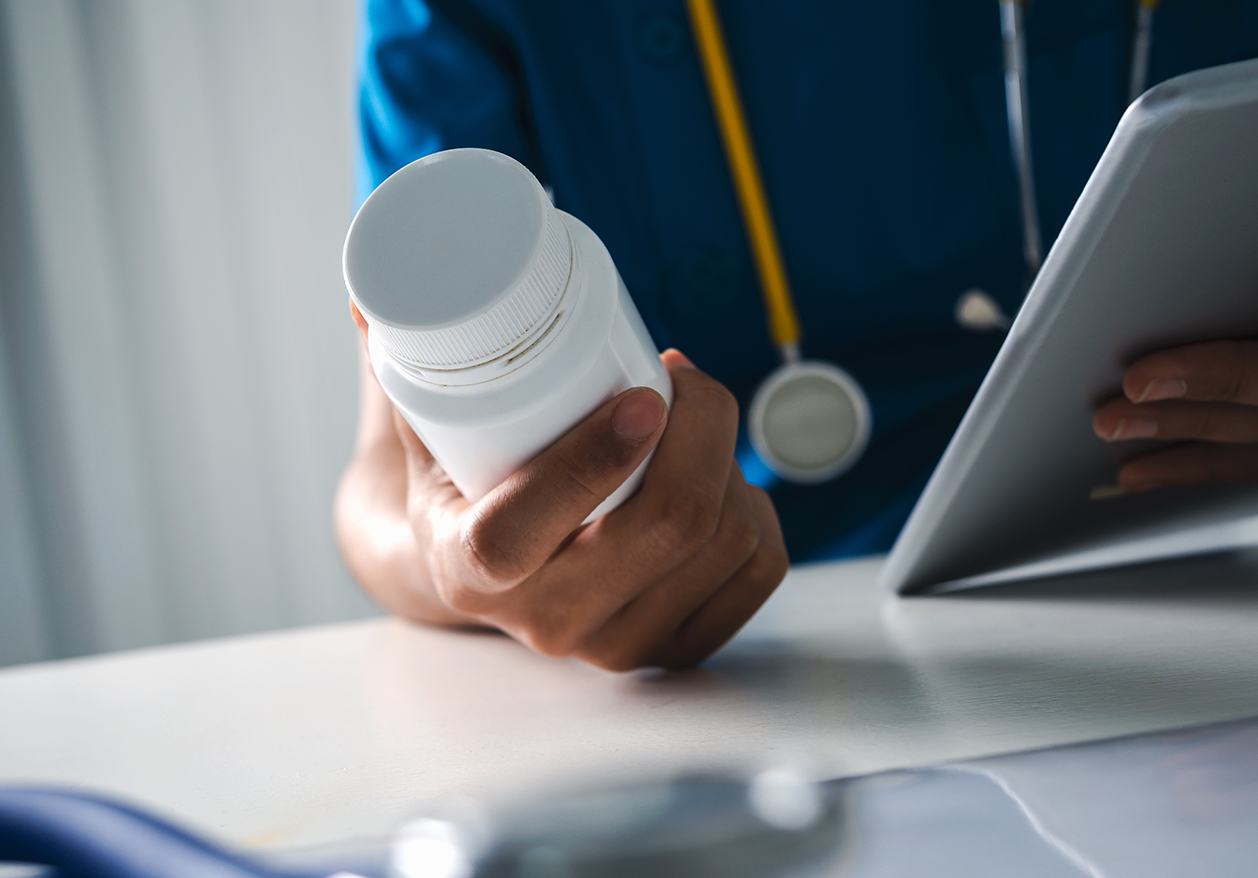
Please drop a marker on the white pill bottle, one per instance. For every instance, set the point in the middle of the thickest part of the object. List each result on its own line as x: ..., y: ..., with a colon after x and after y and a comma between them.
x: 496, y: 322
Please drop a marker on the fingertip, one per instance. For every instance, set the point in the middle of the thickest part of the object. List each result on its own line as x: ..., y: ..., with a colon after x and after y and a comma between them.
x: 1119, y: 420
x: 357, y: 316
x: 1161, y: 388
x: 1103, y: 425
x: 674, y: 357
x: 640, y: 414
x: 1158, y: 375
x: 1147, y: 473
x: 359, y: 320
x: 1107, y: 492
x: 1129, y: 483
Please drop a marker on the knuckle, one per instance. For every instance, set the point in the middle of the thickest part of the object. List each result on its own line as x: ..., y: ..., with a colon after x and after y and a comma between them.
x: 613, y: 651
x: 681, y: 652
x: 769, y: 565
x: 465, y: 601
x: 545, y: 631
x: 717, y: 398
x: 1213, y: 422
x: 579, y: 474
x: 740, y: 537
x: 591, y: 467
x: 618, y: 661
x: 771, y: 551
x: 1194, y: 422
x: 776, y: 562
x: 686, y: 523
x: 490, y: 556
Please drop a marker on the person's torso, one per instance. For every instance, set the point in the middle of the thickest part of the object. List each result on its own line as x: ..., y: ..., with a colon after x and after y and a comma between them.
x: 882, y: 136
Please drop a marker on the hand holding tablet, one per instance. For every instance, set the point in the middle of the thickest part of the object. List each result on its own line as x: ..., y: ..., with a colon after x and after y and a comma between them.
x: 1202, y: 396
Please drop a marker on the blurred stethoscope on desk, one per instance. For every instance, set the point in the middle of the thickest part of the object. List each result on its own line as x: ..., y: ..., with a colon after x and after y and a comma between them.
x: 810, y: 421
x: 772, y: 823
x: 64, y: 833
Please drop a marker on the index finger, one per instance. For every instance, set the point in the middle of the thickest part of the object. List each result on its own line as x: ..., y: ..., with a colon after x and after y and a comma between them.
x: 1217, y: 371
x: 684, y: 489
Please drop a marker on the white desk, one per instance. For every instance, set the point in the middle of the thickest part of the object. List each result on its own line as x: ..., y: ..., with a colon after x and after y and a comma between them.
x: 337, y: 733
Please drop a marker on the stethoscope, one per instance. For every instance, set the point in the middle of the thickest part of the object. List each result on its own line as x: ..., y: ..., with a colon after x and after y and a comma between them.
x: 666, y: 828
x: 809, y: 420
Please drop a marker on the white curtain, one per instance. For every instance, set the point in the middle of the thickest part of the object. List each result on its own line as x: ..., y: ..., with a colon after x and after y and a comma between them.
x: 177, y: 364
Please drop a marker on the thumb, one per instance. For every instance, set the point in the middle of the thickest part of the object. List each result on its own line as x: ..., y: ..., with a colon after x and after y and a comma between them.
x: 519, y: 525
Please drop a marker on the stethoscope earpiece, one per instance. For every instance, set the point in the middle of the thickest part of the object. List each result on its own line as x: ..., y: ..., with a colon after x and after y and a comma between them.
x: 977, y: 311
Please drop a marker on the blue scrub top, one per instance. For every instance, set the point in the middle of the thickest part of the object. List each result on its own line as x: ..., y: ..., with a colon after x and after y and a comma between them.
x: 883, y: 141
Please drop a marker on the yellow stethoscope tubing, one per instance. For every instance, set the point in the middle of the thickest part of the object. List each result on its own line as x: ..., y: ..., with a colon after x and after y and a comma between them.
x: 748, y: 184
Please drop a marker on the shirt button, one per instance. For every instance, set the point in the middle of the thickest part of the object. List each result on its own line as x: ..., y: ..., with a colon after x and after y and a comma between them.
x: 663, y: 38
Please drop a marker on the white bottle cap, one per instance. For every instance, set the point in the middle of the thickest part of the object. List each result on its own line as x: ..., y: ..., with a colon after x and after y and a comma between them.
x: 457, y: 259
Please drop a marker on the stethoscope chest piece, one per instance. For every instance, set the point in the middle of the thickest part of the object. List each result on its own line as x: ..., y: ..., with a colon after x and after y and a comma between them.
x: 809, y: 421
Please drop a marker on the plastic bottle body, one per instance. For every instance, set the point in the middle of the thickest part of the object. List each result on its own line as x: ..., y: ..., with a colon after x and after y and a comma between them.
x: 597, y: 347
x: 496, y: 323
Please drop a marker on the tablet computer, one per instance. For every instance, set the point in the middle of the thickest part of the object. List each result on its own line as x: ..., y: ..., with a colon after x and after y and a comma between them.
x: 1160, y: 250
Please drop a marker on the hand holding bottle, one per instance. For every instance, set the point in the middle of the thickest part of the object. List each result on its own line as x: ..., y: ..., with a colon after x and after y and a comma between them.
x: 663, y: 580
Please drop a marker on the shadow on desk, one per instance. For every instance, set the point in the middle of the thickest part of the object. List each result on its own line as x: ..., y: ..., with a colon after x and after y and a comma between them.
x: 1229, y: 577
x: 1036, y: 663
x: 837, y: 673
x: 1151, y: 646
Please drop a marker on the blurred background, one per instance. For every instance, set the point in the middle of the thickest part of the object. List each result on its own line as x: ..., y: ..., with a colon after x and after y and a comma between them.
x: 177, y: 365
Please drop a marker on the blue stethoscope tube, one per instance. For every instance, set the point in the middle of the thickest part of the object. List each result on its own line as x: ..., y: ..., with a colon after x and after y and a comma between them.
x: 80, y: 835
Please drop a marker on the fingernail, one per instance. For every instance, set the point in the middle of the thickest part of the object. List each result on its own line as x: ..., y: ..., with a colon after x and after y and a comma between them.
x: 1135, y: 428
x: 1163, y: 388
x: 638, y: 415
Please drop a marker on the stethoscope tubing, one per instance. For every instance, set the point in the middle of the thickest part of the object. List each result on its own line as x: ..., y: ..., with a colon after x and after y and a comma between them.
x: 1013, y: 38
x: 1017, y: 110
x: 81, y: 835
